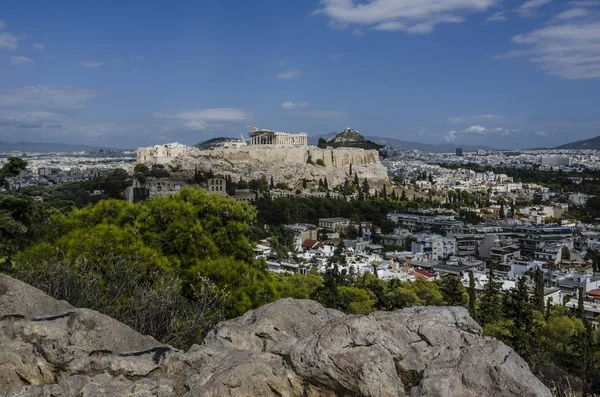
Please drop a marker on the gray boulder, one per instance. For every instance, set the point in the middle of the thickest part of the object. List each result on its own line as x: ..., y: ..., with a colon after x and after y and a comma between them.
x: 286, y: 348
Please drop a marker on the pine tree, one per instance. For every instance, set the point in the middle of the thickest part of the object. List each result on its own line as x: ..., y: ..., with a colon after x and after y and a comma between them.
x: 472, y: 293
x: 453, y: 291
x: 518, y: 309
x: 490, y: 308
x: 538, y: 295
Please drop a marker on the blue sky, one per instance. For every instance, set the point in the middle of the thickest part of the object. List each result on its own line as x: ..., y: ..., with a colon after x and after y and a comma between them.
x: 510, y: 74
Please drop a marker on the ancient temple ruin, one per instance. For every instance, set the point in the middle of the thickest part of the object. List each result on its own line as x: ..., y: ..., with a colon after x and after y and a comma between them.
x: 262, y: 137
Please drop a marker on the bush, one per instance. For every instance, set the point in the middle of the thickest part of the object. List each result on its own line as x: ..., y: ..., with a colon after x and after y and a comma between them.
x: 152, y: 304
x: 320, y: 162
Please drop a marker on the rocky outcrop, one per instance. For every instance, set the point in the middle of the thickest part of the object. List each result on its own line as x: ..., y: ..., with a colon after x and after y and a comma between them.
x: 287, y: 348
x: 289, y: 165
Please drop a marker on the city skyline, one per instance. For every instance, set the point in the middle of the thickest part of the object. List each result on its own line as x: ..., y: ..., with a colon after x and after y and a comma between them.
x: 506, y: 74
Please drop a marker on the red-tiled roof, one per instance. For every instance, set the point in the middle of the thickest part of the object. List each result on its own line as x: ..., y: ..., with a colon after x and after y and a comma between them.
x: 424, y: 273
x: 309, y: 243
x: 595, y: 293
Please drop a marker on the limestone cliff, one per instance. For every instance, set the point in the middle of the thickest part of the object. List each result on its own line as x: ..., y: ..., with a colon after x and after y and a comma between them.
x: 287, y: 348
x: 286, y: 164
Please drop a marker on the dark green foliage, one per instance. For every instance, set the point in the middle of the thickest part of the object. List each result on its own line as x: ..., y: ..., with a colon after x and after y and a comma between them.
x: 322, y: 143
x: 538, y: 294
x: 520, y: 311
x: 490, y: 308
x: 13, y: 167
x: 472, y: 293
x: 453, y: 291
x: 320, y: 162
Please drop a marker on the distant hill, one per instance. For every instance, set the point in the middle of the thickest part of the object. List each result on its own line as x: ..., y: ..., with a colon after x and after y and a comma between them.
x: 592, y: 143
x: 409, y: 145
x: 213, y: 142
x: 352, y: 138
x: 44, y: 147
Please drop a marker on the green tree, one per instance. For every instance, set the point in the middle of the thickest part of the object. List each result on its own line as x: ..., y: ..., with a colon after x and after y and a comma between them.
x: 13, y: 167
x: 518, y: 308
x: 490, y: 303
x: 538, y: 294
x: 580, y: 305
x: 322, y: 143
x: 453, y: 291
x: 472, y: 293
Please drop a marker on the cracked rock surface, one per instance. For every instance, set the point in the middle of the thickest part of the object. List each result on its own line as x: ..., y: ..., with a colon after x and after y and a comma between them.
x: 286, y: 348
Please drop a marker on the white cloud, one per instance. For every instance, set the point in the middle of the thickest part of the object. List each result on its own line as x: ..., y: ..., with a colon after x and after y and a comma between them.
x: 541, y: 133
x: 289, y: 74
x: 573, y: 13
x: 56, y: 98
x: 38, y: 47
x: 21, y: 61
x: 530, y: 5
x: 202, y: 119
x: 8, y: 41
x: 289, y: 105
x: 412, y: 16
x: 474, y: 119
x: 496, y: 17
x: 450, y: 136
x: 2, y: 24
x: 91, y: 64
x: 476, y: 129
x: 569, y: 49
x: 27, y: 119
x: 358, y: 33
x: 335, y: 56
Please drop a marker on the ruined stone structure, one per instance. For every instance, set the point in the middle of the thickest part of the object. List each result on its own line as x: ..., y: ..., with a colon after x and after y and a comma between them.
x: 160, y: 154
x: 260, y: 137
x: 286, y: 164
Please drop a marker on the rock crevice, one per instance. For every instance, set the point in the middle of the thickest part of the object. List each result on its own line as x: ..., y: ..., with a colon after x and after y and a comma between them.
x: 286, y: 348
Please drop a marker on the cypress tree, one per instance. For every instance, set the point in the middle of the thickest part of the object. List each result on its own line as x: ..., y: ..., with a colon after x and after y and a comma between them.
x: 490, y: 308
x: 581, y: 307
x: 472, y: 293
x: 538, y: 295
x: 518, y: 309
x: 350, y: 168
x: 384, y: 192
x: 272, y: 186
x: 356, y: 182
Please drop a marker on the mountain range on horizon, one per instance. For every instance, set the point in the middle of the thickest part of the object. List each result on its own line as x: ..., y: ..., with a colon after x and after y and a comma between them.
x: 46, y: 147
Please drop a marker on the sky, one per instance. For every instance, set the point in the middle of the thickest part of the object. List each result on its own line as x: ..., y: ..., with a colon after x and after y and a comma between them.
x: 507, y: 74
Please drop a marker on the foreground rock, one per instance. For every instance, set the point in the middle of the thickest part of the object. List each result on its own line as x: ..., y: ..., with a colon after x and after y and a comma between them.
x: 287, y: 348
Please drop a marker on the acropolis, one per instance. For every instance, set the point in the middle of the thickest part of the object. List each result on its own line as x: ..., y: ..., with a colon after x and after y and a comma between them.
x: 262, y: 137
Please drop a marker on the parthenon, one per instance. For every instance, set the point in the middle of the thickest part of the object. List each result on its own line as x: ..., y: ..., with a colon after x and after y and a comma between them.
x: 260, y: 137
